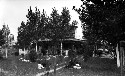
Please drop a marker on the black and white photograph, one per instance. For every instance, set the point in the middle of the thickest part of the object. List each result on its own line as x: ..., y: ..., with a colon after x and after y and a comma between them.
x: 62, y: 38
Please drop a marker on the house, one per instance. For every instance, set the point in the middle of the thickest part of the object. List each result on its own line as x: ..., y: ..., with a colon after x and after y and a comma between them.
x: 62, y: 48
x: 45, y: 46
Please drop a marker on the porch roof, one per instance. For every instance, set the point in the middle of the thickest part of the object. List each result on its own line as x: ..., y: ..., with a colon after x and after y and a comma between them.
x: 71, y: 39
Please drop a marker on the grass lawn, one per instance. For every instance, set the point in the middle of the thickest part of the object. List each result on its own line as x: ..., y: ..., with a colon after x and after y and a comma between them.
x: 102, y: 64
x: 18, y: 68
x: 84, y: 72
x: 93, y: 67
x: 15, y: 67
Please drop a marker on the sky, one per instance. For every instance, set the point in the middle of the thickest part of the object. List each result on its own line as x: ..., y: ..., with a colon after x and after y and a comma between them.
x: 13, y: 12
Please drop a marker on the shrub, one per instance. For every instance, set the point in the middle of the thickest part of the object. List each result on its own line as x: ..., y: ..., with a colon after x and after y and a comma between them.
x: 60, y: 59
x: 27, y: 57
x: 1, y: 56
x: 16, y: 53
x: 33, y: 56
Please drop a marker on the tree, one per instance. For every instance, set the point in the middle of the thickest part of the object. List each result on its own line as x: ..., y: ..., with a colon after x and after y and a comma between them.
x: 54, y: 22
x: 41, y: 26
x: 102, y: 20
x: 23, y: 36
x: 6, y: 33
x: 31, y: 31
x: 44, y: 20
x: 34, y: 23
x: 2, y: 41
x: 59, y: 26
x: 68, y: 28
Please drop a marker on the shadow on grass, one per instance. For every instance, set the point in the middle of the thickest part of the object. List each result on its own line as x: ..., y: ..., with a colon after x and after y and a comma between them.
x: 93, y: 67
x: 101, y: 64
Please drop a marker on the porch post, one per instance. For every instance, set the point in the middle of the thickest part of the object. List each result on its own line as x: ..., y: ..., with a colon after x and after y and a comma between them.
x: 117, y: 54
x: 61, y: 48
x: 6, y: 52
x: 121, y: 59
x: 36, y: 46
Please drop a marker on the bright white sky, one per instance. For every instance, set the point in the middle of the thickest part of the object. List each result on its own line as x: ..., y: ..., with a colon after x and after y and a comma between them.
x: 13, y: 12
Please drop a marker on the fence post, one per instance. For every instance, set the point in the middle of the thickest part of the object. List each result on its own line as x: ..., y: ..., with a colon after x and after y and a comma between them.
x: 122, y: 46
x: 55, y: 66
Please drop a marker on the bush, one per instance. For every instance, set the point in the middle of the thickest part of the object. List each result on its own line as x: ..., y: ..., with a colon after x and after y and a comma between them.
x: 71, y: 63
x: 88, y: 52
x: 16, y: 53
x: 1, y: 56
x: 60, y: 59
x: 27, y: 57
x: 33, y: 56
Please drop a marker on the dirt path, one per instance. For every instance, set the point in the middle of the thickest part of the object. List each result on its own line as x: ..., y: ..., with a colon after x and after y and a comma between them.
x: 60, y: 66
x: 51, y: 71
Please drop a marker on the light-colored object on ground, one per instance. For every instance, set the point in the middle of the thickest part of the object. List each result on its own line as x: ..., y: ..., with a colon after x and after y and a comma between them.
x: 40, y: 66
x: 102, y: 49
x: 25, y: 60
x: 110, y: 56
x: 77, y: 66
x: 51, y: 70
x: 23, y: 52
x: 20, y: 58
x: 118, y: 59
x: 66, y: 56
x: 47, y: 57
x: 67, y: 52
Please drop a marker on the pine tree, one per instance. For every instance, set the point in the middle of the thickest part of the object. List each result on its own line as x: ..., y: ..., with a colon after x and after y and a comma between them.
x: 2, y: 41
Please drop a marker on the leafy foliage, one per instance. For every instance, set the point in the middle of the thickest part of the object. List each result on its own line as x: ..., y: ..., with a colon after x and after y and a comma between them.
x: 59, y: 25
x: 23, y: 36
x: 2, y: 41
x: 41, y: 26
x: 103, y: 20
x: 4, y: 33
x: 33, y: 56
